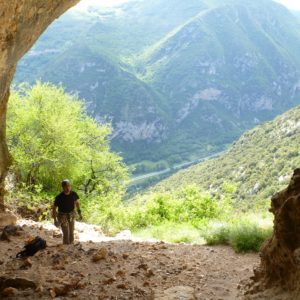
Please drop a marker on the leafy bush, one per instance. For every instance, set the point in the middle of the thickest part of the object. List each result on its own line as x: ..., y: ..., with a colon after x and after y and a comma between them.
x: 192, y: 204
x: 159, y: 209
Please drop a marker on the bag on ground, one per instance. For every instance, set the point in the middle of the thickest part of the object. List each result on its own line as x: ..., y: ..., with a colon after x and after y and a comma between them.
x: 32, y: 247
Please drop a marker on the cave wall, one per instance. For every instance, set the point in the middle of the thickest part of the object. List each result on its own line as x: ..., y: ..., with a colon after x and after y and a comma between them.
x: 21, y: 24
x: 280, y: 255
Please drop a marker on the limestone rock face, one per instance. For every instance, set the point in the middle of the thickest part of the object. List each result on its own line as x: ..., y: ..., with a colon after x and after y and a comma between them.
x: 21, y: 23
x: 280, y: 254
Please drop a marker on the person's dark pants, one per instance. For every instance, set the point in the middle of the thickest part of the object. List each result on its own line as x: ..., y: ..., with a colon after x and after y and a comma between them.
x: 67, y: 222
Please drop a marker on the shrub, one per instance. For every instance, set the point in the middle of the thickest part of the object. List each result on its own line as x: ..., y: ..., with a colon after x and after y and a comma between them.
x: 248, y: 237
x: 193, y: 205
x: 217, y: 235
x: 243, y: 236
x: 190, y: 205
x: 158, y: 209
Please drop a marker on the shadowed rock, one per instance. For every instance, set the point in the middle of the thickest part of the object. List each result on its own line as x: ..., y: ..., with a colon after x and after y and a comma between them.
x: 279, y: 256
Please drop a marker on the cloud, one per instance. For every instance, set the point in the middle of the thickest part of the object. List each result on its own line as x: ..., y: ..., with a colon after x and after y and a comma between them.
x: 291, y: 4
x: 84, y: 4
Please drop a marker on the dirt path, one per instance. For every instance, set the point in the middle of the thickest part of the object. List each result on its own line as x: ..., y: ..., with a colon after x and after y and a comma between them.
x: 124, y: 270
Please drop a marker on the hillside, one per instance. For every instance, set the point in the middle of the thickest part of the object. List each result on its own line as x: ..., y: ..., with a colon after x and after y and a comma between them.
x: 259, y: 164
x: 177, y: 80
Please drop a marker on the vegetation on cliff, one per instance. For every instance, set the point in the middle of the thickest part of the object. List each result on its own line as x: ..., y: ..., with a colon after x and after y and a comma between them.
x: 255, y: 167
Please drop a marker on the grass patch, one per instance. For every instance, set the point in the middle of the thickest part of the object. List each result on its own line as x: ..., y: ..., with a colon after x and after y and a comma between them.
x: 248, y: 237
x: 172, y: 233
x: 243, y: 236
x: 216, y: 234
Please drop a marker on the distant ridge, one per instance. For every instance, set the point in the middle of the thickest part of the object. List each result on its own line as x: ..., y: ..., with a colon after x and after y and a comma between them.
x: 177, y: 79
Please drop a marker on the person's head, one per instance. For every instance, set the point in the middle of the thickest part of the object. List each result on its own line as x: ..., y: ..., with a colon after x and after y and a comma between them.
x: 66, y: 185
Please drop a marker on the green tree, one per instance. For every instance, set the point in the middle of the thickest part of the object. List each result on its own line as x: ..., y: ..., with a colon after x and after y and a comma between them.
x: 51, y: 137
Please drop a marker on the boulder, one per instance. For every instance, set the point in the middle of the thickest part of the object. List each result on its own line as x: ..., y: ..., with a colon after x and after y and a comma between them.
x: 102, y: 253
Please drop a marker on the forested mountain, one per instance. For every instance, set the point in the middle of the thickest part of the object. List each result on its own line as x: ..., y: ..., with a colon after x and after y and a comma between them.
x: 177, y: 79
x: 258, y: 165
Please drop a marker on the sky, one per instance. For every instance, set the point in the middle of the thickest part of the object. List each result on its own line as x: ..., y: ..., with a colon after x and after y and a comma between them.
x: 292, y: 4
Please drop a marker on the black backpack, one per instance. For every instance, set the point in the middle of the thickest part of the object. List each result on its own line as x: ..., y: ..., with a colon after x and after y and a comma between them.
x: 33, y: 247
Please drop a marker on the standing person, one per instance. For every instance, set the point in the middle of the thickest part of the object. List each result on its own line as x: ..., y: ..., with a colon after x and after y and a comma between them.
x: 66, y: 202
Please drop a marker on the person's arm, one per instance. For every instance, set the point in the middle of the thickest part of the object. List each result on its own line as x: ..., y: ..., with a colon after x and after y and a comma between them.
x: 54, y: 211
x: 54, y: 215
x: 77, y: 204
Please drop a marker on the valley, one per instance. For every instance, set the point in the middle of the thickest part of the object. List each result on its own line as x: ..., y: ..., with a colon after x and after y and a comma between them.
x: 177, y: 81
x: 141, y: 182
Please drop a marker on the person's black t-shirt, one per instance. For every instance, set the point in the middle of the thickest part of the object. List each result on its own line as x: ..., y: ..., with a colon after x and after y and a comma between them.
x: 66, y: 203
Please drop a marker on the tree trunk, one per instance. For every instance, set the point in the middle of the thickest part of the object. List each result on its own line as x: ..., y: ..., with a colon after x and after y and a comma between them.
x: 21, y: 23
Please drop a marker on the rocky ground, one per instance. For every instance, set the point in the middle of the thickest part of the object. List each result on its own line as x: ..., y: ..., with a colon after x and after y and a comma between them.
x: 115, y: 268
